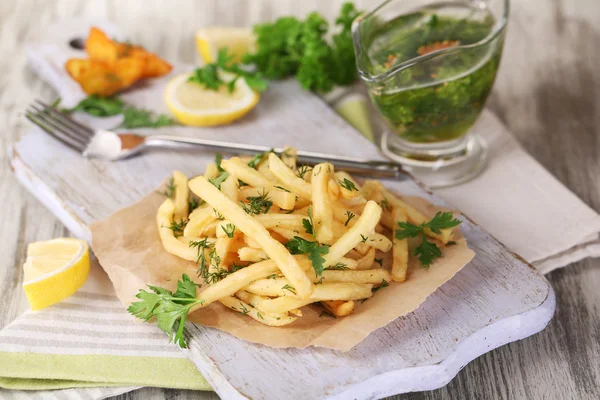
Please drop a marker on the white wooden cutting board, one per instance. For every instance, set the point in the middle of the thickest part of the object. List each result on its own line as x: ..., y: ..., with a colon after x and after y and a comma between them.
x: 496, y: 299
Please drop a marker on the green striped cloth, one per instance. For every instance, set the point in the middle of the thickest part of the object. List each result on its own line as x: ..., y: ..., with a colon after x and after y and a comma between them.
x: 90, y: 340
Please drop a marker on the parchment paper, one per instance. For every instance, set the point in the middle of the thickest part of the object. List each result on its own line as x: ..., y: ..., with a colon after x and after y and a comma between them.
x: 129, y: 249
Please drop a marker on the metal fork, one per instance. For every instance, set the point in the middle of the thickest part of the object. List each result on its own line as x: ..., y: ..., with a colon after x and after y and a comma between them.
x: 97, y: 143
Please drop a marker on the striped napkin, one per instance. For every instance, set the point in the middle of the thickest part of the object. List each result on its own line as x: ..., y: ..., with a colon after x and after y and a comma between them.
x: 90, y: 340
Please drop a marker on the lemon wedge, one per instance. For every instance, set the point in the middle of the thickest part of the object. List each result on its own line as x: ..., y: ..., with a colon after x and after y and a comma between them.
x: 238, y: 41
x: 193, y: 104
x: 54, y: 270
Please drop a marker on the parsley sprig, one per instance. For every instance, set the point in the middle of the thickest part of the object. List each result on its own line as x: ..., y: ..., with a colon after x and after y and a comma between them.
x: 427, y: 251
x: 133, y: 117
x: 210, y: 75
x: 315, y: 251
x: 294, y: 47
x: 170, y: 309
x: 308, y: 223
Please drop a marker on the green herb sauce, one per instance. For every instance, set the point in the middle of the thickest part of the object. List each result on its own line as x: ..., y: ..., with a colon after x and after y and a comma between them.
x: 438, y: 99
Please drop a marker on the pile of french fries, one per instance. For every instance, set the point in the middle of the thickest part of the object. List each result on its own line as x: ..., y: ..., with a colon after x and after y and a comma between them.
x: 244, y: 252
x: 113, y: 66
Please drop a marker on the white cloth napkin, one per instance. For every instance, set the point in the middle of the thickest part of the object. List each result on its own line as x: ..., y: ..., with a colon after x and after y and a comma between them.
x: 524, y: 206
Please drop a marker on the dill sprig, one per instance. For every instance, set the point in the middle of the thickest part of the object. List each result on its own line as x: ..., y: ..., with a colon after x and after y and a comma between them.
x: 177, y: 227
x: 257, y: 204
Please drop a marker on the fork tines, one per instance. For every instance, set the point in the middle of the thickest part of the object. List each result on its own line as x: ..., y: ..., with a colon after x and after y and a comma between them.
x: 60, y: 126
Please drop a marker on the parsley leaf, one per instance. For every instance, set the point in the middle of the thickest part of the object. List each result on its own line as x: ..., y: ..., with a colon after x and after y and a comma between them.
x: 98, y: 106
x: 293, y: 47
x: 210, y: 77
x: 134, y: 117
x: 315, y: 251
x: 407, y: 230
x: 253, y: 163
x: 442, y: 220
x: 169, y: 309
x: 427, y: 251
x: 308, y: 223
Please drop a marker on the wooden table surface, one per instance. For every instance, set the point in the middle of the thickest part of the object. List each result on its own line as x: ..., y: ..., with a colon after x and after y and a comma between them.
x: 547, y: 93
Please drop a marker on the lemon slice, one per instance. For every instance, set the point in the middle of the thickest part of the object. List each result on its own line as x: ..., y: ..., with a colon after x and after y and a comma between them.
x: 238, y: 41
x: 193, y: 104
x: 54, y: 270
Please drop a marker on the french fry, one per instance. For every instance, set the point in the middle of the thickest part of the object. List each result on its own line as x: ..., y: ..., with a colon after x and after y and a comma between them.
x: 287, y: 177
x: 343, y: 214
x: 326, y: 291
x: 211, y: 171
x: 400, y: 249
x: 246, y: 174
x: 164, y: 219
x: 364, y: 226
x: 264, y: 318
x: 348, y: 191
x: 222, y: 246
x: 263, y: 168
x: 181, y: 196
x: 339, y: 308
x: 289, y: 233
x: 229, y: 187
x: 275, y: 287
x: 366, y: 261
x: 321, y: 207
x: 372, y: 276
x: 199, y: 220
x: 334, y: 190
x: 235, y: 281
x: 289, y: 156
x: 252, y: 228
x: 354, y: 255
x: 251, y: 242
x: 253, y: 299
x: 288, y: 221
x: 251, y: 254
x: 379, y: 242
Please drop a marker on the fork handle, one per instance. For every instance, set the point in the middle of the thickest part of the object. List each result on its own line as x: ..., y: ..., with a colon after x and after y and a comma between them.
x: 354, y: 165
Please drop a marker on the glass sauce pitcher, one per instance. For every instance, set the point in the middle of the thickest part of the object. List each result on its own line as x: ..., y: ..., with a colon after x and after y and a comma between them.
x: 429, y: 67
